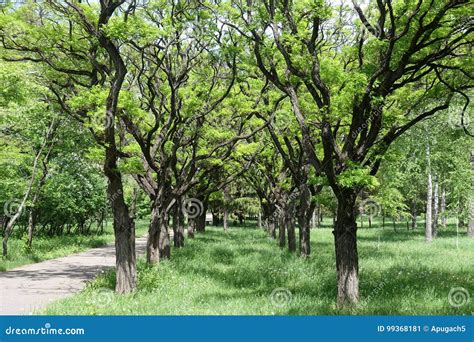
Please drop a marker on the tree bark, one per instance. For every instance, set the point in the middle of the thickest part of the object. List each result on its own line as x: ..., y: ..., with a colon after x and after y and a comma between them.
x: 272, y: 227
x: 282, y: 232
x: 470, y: 225
x: 291, y: 234
x: 152, y: 251
x: 191, y: 224
x: 226, y: 213
x: 201, y: 219
x: 443, y: 206
x: 434, y: 230
x: 347, y: 260
x: 124, y: 231
x: 42, y: 181
x: 124, y: 227
x: 164, y: 239
x: 305, y: 211
x: 413, y: 215
x: 178, y: 225
x: 429, y: 201
x: 31, y: 226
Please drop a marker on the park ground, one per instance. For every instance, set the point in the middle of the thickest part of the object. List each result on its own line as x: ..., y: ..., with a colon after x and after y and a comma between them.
x: 243, y: 272
x: 51, y: 247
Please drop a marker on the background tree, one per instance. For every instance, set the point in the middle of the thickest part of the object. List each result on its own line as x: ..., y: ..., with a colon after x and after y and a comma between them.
x: 358, y: 84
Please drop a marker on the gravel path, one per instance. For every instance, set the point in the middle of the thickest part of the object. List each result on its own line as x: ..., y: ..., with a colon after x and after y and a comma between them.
x: 26, y: 289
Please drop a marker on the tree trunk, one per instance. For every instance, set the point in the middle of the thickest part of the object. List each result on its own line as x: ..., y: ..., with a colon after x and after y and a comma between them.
x: 31, y: 226
x: 429, y: 200
x: 201, y: 219
x: 164, y: 239
x: 124, y: 227
x: 347, y: 260
x: 201, y: 223
x: 133, y: 205
x: 259, y: 220
x: 434, y: 229
x: 191, y: 225
x: 152, y: 251
x: 291, y: 234
x: 178, y: 225
x: 42, y: 181
x: 413, y: 215
x: 124, y: 231
x: 306, y: 210
x: 224, y: 219
x: 470, y: 225
x: 215, y: 218
x: 282, y: 232
x: 272, y: 227
x: 443, y: 206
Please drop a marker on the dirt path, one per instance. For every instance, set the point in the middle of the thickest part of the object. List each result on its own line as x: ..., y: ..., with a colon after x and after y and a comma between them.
x: 28, y: 288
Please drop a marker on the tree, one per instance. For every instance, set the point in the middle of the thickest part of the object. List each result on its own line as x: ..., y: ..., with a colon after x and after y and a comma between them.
x: 187, y: 87
x: 68, y: 73
x: 349, y: 84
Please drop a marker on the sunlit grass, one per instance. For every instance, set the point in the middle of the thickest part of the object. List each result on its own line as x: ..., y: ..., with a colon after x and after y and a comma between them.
x: 237, y: 272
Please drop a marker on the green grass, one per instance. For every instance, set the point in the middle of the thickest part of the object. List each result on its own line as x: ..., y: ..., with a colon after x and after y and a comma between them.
x: 236, y: 274
x: 45, y: 248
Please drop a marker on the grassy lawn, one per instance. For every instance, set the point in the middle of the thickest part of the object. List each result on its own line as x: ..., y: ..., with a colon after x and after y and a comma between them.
x: 45, y: 248
x: 244, y: 272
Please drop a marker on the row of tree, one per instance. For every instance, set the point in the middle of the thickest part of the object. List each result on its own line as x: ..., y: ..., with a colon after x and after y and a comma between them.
x: 188, y: 97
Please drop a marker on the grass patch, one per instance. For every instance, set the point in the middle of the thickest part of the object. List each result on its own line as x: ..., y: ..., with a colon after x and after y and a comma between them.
x: 243, y: 272
x: 45, y: 248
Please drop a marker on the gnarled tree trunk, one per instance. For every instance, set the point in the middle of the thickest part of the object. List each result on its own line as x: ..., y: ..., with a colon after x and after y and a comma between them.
x: 281, y: 232
x: 305, y: 213
x: 152, y: 251
x: 290, y: 227
x: 347, y: 260
x: 178, y: 225
x: 201, y: 219
x: 124, y: 231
